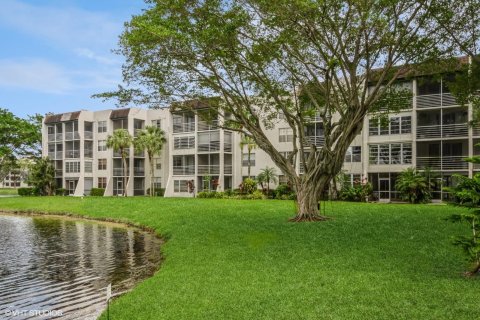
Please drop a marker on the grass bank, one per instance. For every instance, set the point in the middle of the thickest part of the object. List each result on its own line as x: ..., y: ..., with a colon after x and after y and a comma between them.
x: 234, y: 259
x: 8, y: 192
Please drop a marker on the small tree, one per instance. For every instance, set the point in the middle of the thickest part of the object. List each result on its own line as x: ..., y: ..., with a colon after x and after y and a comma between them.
x: 120, y: 141
x: 266, y: 176
x: 467, y: 194
x: 42, y: 176
x: 413, y: 186
x: 248, y: 142
x: 150, y: 139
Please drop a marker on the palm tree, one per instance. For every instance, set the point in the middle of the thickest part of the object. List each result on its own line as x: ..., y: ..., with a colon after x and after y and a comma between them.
x: 120, y: 141
x: 413, y: 186
x: 150, y: 139
x: 248, y: 142
x: 267, y: 175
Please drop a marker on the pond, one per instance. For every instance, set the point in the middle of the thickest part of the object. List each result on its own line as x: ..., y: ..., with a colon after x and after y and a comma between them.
x: 53, y: 267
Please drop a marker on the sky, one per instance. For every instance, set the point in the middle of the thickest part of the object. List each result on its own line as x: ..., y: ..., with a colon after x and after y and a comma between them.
x: 54, y: 54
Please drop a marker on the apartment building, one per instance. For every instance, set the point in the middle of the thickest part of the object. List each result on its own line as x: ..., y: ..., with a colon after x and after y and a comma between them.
x: 14, y: 179
x: 433, y: 132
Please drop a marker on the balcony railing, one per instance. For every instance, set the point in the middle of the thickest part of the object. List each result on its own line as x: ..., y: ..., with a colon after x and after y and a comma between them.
x: 51, y: 137
x: 59, y: 173
x: 184, y: 127
x: 88, y: 153
x: 207, y: 126
x: 72, y: 135
x: 118, y: 172
x: 208, y: 169
x: 227, y: 169
x: 318, y: 141
x: 227, y: 147
x: 245, y: 163
x: 436, y: 100
x: 476, y: 131
x: 116, y: 154
x: 139, y: 154
x: 208, y: 147
x: 183, y: 170
x: 443, y: 163
x: 72, y: 154
x: 445, y: 131
x: 139, y: 171
x: 88, y: 135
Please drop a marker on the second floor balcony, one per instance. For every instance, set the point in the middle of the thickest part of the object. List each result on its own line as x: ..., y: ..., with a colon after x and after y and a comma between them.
x: 436, y: 100
x: 443, y: 163
x: 72, y: 154
x: 184, y: 170
x: 208, y: 169
x: 442, y: 131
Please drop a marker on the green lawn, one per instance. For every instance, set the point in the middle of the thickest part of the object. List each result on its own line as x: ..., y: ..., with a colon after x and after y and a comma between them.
x: 234, y: 259
x: 8, y: 191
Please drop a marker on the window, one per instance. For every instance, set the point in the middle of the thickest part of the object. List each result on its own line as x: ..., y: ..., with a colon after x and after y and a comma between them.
x: 184, y: 142
x: 180, y: 186
x: 158, y: 165
x: 395, y: 153
x: 102, y: 164
x: 354, y: 154
x: 102, y: 145
x: 72, y: 166
x: 102, y: 126
x: 102, y: 182
x: 353, y: 179
x: 282, y: 179
x: 245, y: 160
x: 51, y: 129
x: 157, y: 183
x: 157, y: 123
x: 406, y: 124
x: 396, y: 125
x: 88, y: 166
x: 285, y: 134
x: 287, y: 154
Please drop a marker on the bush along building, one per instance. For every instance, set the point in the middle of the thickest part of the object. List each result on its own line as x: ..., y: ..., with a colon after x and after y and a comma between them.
x: 431, y: 133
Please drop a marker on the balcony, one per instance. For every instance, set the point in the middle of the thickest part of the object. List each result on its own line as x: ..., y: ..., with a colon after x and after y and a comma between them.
x: 183, y: 170
x: 227, y: 147
x: 184, y: 127
x: 227, y: 169
x: 139, y: 171
x: 88, y: 153
x: 209, y: 147
x: 436, y: 100
x: 443, y: 163
x: 51, y: 137
x: 208, y: 126
x: 88, y: 135
x: 318, y: 141
x: 208, y: 169
x: 118, y: 172
x: 245, y: 163
x: 116, y: 154
x: 444, y: 131
x: 58, y: 173
x: 72, y: 154
x: 72, y: 135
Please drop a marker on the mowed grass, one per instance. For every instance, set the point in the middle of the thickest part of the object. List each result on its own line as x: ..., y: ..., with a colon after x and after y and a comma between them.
x: 8, y: 191
x: 234, y: 259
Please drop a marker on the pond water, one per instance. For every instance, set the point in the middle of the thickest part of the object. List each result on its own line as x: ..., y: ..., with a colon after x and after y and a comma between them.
x: 59, y: 268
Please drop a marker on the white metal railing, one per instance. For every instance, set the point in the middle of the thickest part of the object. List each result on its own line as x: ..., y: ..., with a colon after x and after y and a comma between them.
x: 455, y: 130
x: 436, y: 100
x: 59, y: 136
x: 51, y: 137
x: 59, y: 173
x: 183, y: 170
x: 184, y: 143
x: 208, y: 169
x: 318, y: 141
x: 139, y: 171
x: 476, y: 130
x: 88, y: 135
x: 443, y: 163
x: 72, y: 154
x: 227, y: 147
x: 425, y: 132
x: 72, y: 135
x: 118, y: 172
x: 207, y: 126
x: 227, y: 169
x: 245, y: 163
x: 117, y: 154
x: 314, y: 118
x: 184, y: 127
x: 208, y: 147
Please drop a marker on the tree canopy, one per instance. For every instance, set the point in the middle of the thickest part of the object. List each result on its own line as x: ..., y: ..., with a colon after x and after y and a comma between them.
x: 256, y: 59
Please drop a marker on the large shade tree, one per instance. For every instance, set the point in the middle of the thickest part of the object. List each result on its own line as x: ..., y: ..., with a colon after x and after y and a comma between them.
x: 258, y: 58
x: 151, y: 140
x: 121, y: 141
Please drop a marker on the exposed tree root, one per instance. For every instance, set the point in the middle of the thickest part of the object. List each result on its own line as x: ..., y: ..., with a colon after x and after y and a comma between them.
x: 475, y: 271
x: 308, y: 218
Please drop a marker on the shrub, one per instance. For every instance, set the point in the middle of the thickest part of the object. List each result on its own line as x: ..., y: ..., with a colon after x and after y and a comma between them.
x: 219, y: 195
x: 282, y: 190
x: 207, y: 194
x: 229, y: 192
x: 256, y: 195
x: 97, y: 192
x: 61, y: 192
x: 25, y: 192
x: 248, y: 186
x: 413, y: 186
x: 159, y: 192
x: 358, y: 192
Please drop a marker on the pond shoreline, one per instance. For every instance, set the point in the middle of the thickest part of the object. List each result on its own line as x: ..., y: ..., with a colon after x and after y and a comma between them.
x: 107, y: 222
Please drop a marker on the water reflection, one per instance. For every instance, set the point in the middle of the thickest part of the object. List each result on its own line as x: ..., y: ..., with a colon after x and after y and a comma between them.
x: 65, y: 265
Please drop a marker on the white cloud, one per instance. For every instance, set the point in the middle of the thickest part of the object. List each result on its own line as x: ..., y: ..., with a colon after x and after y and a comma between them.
x: 66, y: 26
x: 89, y: 54
x: 46, y: 77
x: 37, y: 75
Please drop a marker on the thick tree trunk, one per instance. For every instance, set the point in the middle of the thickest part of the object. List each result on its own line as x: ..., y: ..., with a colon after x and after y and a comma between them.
x: 308, y: 203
